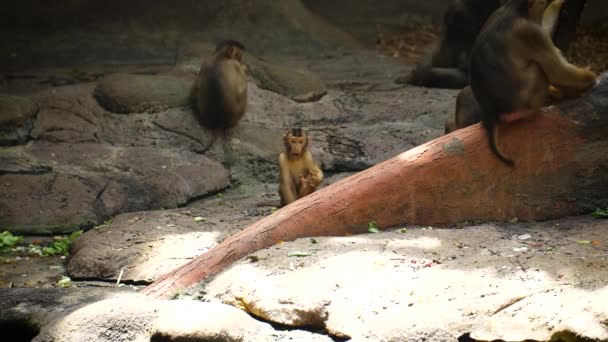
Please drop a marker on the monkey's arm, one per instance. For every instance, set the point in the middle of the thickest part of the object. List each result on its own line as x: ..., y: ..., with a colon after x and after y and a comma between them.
x: 435, y: 77
x: 198, y: 92
x: 287, y: 189
x: 534, y: 44
x: 315, y: 175
x: 195, y: 85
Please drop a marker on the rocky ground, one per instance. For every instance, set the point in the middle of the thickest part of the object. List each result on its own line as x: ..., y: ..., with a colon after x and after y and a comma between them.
x: 111, y: 146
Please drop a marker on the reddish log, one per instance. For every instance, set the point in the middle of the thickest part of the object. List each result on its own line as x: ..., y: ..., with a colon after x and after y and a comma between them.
x: 561, y: 169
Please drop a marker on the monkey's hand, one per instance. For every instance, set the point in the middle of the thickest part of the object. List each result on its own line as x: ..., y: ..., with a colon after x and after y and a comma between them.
x: 555, y: 93
x: 314, y: 179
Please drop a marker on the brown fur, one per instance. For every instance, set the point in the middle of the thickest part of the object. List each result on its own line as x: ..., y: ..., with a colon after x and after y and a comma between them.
x: 513, y: 63
x: 468, y: 112
x: 299, y: 175
x: 219, y: 92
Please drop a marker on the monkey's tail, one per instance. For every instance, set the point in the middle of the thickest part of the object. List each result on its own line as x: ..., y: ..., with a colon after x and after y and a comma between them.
x: 493, y: 141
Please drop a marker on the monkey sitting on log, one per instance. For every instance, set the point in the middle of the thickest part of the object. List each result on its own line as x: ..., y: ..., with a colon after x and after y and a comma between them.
x: 468, y: 112
x: 299, y: 175
x: 513, y: 63
x: 219, y: 92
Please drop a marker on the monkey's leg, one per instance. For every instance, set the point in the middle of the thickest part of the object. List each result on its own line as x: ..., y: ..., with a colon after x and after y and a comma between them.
x: 287, y: 192
x: 451, y: 78
x: 287, y: 188
x: 521, y: 115
x: 542, y: 51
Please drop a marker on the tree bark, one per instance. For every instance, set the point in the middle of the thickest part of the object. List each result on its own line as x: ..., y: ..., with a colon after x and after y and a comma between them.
x: 561, y: 169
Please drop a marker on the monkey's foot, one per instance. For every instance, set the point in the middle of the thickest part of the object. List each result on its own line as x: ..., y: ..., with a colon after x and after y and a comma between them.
x: 516, y: 116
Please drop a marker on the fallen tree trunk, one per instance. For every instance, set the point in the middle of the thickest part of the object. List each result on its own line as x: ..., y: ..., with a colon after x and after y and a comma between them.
x: 561, y: 169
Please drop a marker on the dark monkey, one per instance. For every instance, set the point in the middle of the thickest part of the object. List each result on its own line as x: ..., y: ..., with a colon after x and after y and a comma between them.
x: 219, y: 92
x: 467, y: 110
x: 513, y: 63
x: 447, y: 64
x: 299, y: 175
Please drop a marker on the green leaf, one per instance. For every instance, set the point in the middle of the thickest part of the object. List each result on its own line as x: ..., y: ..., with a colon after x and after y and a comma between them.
x: 8, y: 240
x: 599, y: 213
x: 75, y: 235
x: 584, y: 242
x: 298, y: 254
x: 314, y: 241
x: 64, y: 282
x: 372, y: 227
x: 61, y: 245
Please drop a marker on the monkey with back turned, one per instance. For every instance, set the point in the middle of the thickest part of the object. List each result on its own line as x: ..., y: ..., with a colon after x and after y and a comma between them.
x: 219, y: 92
x: 467, y: 111
x: 299, y: 175
x: 513, y: 64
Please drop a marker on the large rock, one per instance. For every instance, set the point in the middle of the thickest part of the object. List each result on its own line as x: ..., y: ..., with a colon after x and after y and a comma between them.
x: 143, y: 246
x: 119, y: 315
x: 510, y: 282
x: 61, y: 187
x: 298, y: 84
x: 124, y: 93
x: 17, y: 116
x: 71, y: 114
x: 26, y: 310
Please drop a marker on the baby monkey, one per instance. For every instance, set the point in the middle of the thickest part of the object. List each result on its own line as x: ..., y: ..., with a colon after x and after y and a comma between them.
x: 299, y: 175
x: 219, y: 92
x: 513, y: 63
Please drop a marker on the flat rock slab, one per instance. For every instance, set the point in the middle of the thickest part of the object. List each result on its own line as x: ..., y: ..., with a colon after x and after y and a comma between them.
x: 52, y: 188
x: 146, y: 245
x: 124, y: 93
x: 298, y: 84
x: 141, y: 245
x: 17, y: 116
x: 120, y: 315
x: 509, y: 281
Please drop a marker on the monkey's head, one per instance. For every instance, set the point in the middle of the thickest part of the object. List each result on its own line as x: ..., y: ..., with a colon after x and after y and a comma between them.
x: 296, y: 142
x: 230, y: 49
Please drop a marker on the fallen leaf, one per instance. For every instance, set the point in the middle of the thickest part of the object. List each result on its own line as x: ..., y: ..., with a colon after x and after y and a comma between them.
x: 298, y: 254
